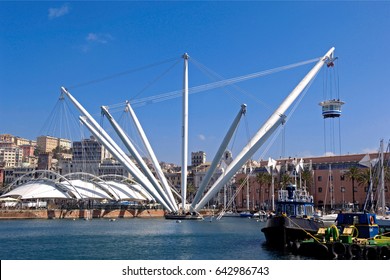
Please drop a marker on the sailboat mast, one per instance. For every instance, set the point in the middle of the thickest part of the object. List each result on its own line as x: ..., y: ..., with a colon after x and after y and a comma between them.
x: 247, y: 193
x: 184, y: 134
x: 272, y: 190
x: 382, y: 182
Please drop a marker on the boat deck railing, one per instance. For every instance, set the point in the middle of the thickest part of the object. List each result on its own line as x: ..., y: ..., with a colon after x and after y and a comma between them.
x: 297, y: 196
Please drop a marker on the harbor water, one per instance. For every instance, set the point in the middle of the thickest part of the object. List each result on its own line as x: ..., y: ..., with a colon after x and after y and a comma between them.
x: 136, y: 239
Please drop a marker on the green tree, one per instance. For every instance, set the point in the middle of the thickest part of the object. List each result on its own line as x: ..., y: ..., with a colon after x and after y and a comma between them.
x: 263, y: 179
x: 353, y: 174
x: 307, y: 178
x: 190, y: 191
x: 285, y: 180
x: 364, y: 177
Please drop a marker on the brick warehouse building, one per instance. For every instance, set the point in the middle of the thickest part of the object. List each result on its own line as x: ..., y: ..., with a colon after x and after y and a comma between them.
x: 328, y: 182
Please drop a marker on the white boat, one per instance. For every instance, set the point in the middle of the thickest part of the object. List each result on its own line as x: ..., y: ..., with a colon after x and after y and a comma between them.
x: 328, y: 219
x: 383, y: 221
x: 231, y: 214
x: 261, y: 215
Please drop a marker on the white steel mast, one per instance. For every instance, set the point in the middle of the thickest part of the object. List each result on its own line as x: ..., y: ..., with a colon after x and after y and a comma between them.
x: 184, y: 135
x: 114, y: 149
x: 126, y: 163
x: 133, y: 151
x: 152, y: 155
x: 218, y: 156
x: 264, y: 132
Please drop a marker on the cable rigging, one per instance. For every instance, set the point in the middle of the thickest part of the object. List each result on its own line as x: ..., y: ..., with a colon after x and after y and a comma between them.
x: 214, y: 85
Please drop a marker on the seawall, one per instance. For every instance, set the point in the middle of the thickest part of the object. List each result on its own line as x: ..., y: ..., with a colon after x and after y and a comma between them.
x: 80, y: 214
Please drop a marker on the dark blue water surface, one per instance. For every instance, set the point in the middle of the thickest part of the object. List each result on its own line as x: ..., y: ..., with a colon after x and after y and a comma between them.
x: 137, y: 239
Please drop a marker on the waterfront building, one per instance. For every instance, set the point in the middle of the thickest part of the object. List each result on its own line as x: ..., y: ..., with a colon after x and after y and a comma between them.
x: 174, y: 179
x: 47, y: 144
x: 7, y: 138
x: 24, y: 142
x: 45, y: 161
x: 1, y: 178
x: 199, y: 172
x: 112, y: 167
x: 11, y: 156
x: 89, y: 156
x: 198, y: 158
x: 326, y: 178
x: 11, y: 174
x: 12, y: 144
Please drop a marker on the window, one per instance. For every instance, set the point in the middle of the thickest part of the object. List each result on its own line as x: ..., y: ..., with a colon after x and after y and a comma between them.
x: 319, y: 179
x: 279, y: 208
x: 300, y: 210
x: 309, y: 210
x: 342, y: 177
x: 320, y: 190
x: 290, y: 210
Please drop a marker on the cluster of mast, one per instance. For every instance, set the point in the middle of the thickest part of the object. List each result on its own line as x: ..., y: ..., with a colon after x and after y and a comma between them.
x: 158, y: 187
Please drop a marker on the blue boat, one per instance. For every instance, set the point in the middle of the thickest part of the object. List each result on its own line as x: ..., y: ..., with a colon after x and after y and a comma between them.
x: 246, y: 214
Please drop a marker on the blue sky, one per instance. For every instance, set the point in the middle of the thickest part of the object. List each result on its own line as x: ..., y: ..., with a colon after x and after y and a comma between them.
x: 94, y: 48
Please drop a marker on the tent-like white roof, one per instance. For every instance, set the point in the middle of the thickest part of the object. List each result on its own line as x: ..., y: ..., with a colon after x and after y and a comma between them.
x: 125, y: 192
x: 83, y: 189
x: 100, y: 190
x: 38, y: 189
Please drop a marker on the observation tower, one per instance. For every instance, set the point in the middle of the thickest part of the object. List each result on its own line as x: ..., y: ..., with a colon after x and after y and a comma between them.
x: 331, y: 108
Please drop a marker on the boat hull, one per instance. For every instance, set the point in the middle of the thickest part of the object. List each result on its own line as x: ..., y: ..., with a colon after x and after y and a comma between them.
x: 182, y: 217
x: 280, y: 231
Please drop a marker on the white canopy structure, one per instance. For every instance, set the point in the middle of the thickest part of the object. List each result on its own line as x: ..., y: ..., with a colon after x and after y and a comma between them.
x: 42, y: 189
x: 93, y: 188
x: 88, y: 190
x: 126, y: 192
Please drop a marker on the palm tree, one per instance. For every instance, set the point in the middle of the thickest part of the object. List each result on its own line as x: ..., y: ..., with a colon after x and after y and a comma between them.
x: 191, y: 190
x: 387, y: 175
x: 364, y: 179
x: 263, y: 179
x: 285, y: 180
x: 353, y: 174
x: 239, y: 185
x: 307, y: 177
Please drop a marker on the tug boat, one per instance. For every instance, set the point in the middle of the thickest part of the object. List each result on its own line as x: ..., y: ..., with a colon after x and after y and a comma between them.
x: 360, y: 238
x: 293, y: 220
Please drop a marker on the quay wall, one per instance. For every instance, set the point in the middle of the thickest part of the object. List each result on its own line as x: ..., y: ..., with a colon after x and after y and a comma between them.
x: 80, y: 214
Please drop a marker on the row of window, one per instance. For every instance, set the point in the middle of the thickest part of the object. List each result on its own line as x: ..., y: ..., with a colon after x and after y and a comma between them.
x: 342, y: 178
x: 342, y: 189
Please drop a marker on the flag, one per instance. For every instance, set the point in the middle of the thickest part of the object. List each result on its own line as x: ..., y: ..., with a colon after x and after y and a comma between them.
x: 299, y: 166
x: 271, y: 162
x: 365, y: 161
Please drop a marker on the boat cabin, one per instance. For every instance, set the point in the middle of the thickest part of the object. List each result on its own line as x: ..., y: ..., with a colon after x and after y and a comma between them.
x: 365, y: 223
x: 294, y: 202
